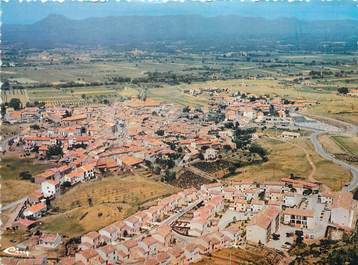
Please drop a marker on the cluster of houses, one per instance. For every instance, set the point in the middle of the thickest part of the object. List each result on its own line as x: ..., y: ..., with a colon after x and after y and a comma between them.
x: 100, y: 140
x: 217, y: 216
x: 127, y: 136
x: 185, y: 227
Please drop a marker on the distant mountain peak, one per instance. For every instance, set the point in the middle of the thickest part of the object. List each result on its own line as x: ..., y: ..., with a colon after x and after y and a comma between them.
x: 53, y: 18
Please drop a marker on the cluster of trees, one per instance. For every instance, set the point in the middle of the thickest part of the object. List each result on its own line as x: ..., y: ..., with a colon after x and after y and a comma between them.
x: 258, y: 149
x: 15, y: 103
x: 6, y: 85
x: 243, y: 137
x: 54, y: 150
x: 26, y: 175
x: 343, y: 90
x: 329, y: 251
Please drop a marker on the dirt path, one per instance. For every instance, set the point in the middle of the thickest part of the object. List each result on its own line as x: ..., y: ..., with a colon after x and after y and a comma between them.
x: 310, y: 177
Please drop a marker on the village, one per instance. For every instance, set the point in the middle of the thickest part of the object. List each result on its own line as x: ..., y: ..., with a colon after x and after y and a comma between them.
x: 189, y: 225
x: 166, y: 141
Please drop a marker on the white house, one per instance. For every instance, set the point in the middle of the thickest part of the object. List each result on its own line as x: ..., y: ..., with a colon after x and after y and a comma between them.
x: 50, y: 188
x: 150, y: 245
x: 325, y: 198
x: 210, y: 154
x: 257, y: 206
x: 35, y: 211
x: 133, y: 223
x: 263, y: 225
x: 110, y: 232
x: 290, y: 135
x: 50, y: 240
x: 302, y: 218
x: 108, y: 253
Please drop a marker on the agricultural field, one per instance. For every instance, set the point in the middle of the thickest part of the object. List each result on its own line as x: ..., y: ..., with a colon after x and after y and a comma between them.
x: 259, y: 73
x: 12, y: 186
x: 78, y: 95
x: 21, y: 94
x: 91, y: 206
x: 188, y: 179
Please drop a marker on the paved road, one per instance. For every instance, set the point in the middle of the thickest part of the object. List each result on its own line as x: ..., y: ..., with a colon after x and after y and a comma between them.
x: 322, y: 152
x: 174, y: 217
x: 12, y: 204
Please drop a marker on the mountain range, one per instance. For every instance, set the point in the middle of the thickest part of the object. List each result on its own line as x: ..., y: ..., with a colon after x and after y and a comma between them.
x: 59, y: 31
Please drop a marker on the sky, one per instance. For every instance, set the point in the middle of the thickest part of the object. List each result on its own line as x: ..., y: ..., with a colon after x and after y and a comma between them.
x: 14, y: 12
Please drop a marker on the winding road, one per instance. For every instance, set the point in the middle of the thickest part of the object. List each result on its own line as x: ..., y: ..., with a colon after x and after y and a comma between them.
x: 322, y: 152
x: 321, y: 125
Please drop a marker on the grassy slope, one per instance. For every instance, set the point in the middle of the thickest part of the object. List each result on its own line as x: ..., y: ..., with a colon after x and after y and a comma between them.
x: 348, y: 144
x: 285, y: 159
x: 113, y: 198
x: 13, y: 187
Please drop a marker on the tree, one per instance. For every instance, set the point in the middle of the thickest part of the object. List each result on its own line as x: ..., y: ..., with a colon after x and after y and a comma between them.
x: 299, y: 237
x: 66, y: 184
x: 3, y: 110
x: 169, y: 175
x: 26, y: 175
x: 54, y: 150
x: 186, y: 109
x: 307, y: 192
x: 258, y: 149
x: 35, y: 127
x: 5, y: 85
x: 262, y: 195
x: 160, y: 132
x: 343, y: 90
x: 67, y: 114
x: 242, y: 137
x: 15, y: 103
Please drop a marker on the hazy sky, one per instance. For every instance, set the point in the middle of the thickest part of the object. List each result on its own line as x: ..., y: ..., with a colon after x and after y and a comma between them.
x: 25, y: 13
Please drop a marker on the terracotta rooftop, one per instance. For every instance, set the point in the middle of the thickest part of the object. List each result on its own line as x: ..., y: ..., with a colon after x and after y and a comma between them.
x: 265, y: 217
x: 299, y: 212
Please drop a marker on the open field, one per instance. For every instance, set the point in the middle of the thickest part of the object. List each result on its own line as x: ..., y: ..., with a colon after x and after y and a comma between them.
x: 348, y: 144
x: 21, y: 94
x: 174, y: 94
x: 12, y: 187
x: 285, y: 159
x: 90, y: 72
x: 12, y: 190
x: 343, y: 147
x: 90, y: 206
x: 327, y: 172
x: 335, y: 144
x: 78, y: 95
x: 12, y: 166
x: 330, y: 144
